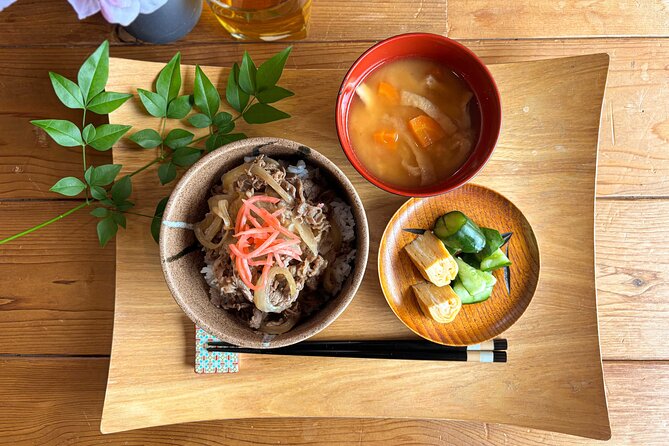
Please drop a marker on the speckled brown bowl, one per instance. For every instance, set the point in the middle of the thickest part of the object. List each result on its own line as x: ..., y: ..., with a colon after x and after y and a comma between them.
x: 182, y: 259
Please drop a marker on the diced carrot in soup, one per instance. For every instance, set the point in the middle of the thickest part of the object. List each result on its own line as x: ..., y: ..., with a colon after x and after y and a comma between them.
x: 387, y: 138
x: 426, y: 131
x: 409, y: 125
x: 388, y: 92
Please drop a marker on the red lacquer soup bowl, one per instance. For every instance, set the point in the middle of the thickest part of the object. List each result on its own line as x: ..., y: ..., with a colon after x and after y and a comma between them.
x: 450, y: 54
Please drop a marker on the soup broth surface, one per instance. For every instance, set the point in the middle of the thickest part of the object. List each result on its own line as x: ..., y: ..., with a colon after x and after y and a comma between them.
x: 413, y: 123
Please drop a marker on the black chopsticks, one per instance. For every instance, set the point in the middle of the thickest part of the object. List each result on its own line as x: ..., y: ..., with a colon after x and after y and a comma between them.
x: 489, y: 351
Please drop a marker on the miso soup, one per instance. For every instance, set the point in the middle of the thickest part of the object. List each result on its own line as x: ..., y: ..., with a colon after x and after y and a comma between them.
x: 413, y: 123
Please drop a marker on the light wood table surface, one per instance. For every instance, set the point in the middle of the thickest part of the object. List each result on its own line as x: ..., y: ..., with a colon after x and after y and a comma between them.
x: 57, y: 286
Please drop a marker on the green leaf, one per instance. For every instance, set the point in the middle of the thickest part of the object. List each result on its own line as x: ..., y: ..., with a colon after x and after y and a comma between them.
x: 217, y: 140
x: 200, y: 120
x: 226, y: 127
x: 262, y: 113
x: 233, y: 94
x: 169, y: 79
x: 247, y: 75
x: 121, y: 189
x: 147, y: 138
x: 185, y: 156
x: 154, y: 103
x: 67, y: 91
x: 107, y: 229
x: 213, y: 142
x: 166, y: 173
x: 273, y: 94
x: 68, y: 186
x: 99, y: 193
x: 232, y: 137
x: 124, y: 206
x: 119, y: 219
x: 88, y: 174
x: 178, y: 138
x: 107, y: 101
x: 157, y: 218
x: 107, y: 135
x: 104, y: 175
x: 179, y: 107
x: 89, y: 133
x: 63, y: 132
x: 270, y: 71
x: 205, y: 95
x: 223, y: 121
x: 100, y: 212
x: 93, y: 73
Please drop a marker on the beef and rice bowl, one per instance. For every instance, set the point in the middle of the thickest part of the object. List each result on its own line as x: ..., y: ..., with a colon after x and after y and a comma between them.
x: 278, y: 242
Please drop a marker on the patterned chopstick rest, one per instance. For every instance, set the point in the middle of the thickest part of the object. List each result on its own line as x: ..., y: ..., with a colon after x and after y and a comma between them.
x: 212, y: 362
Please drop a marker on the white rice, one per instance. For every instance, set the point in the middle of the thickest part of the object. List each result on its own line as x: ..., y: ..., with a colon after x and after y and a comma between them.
x: 341, y: 269
x: 300, y: 169
x: 343, y: 216
x: 210, y: 278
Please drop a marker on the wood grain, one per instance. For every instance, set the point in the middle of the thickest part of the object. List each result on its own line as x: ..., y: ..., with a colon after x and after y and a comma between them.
x: 474, y: 323
x: 43, y: 167
x: 346, y: 20
x: 58, y: 401
x: 633, y: 135
x: 343, y: 20
x: 633, y: 289
x: 72, y: 297
x: 57, y: 290
x: 54, y: 402
x: 568, y: 329
x: 481, y: 19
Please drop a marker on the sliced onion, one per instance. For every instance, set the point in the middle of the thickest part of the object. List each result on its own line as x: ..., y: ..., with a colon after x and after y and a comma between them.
x: 427, y: 173
x: 211, y: 225
x: 280, y: 328
x: 335, y: 232
x: 328, y: 281
x: 261, y: 297
x: 271, y: 182
x: 207, y: 229
x: 234, y: 208
x: 415, y: 100
x: 233, y: 175
x: 407, y: 159
x: 307, y: 236
x: 365, y: 94
x: 218, y: 204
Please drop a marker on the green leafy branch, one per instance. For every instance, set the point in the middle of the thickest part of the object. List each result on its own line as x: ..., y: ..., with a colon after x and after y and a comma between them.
x: 249, y: 92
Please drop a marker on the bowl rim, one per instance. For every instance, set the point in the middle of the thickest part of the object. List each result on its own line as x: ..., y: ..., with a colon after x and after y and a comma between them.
x: 362, y: 245
x: 341, y: 128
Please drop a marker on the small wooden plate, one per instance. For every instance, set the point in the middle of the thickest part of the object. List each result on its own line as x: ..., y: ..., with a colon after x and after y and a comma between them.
x: 477, y: 322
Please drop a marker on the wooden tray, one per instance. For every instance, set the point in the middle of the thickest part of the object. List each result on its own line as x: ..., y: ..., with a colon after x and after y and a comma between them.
x: 545, y: 163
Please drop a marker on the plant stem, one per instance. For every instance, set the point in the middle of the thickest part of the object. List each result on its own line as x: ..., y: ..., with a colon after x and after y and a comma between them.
x: 163, y: 121
x: 146, y: 166
x: 83, y: 149
x: 196, y: 140
x: 245, y: 108
x: 83, y: 146
x: 46, y: 223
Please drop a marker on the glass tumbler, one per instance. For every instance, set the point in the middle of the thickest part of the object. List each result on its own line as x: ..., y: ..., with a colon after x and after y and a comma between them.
x: 265, y: 20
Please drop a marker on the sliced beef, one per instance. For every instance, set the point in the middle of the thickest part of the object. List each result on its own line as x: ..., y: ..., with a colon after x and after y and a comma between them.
x: 309, y: 193
x: 257, y: 318
x: 307, y: 272
x: 317, y: 268
x: 279, y: 294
